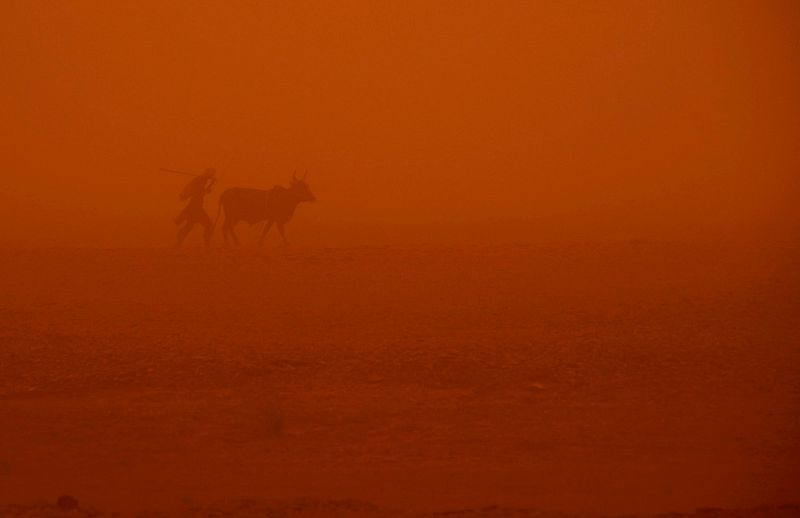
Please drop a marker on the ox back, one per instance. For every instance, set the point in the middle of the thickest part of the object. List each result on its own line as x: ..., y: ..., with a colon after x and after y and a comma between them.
x: 241, y: 204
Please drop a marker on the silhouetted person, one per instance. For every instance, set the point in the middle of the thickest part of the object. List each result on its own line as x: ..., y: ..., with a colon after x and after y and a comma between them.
x: 194, y: 213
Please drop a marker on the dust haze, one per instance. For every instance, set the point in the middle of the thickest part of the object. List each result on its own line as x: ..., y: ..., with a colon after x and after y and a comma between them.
x: 542, y: 258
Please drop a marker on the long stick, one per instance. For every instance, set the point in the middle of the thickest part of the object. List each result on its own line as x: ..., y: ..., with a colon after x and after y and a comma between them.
x: 177, y: 172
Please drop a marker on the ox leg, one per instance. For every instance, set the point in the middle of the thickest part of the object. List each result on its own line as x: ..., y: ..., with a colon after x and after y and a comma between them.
x: 264, y: 233
x: 283, y: 236
x: 231, y: 230
x: 228, y: 234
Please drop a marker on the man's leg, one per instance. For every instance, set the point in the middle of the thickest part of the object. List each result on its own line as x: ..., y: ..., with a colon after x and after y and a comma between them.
x: 183, y: 232
x: 180, y: 218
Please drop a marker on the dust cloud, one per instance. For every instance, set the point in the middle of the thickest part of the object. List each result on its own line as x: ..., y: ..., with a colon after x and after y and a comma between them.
x: 544, y: 258
x: 418, y: 122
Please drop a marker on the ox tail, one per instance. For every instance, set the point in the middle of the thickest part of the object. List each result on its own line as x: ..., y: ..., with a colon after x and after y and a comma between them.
x: 219, y: 213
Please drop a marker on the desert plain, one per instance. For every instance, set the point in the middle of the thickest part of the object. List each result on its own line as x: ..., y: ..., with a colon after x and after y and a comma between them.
x: 586, y: 378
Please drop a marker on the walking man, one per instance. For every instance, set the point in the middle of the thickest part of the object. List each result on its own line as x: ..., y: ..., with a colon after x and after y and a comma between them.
x: 194, y: 213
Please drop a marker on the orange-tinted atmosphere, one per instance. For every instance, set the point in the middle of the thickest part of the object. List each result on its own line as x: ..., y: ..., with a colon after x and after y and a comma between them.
x: 418, y: 121
x: 539, y: 257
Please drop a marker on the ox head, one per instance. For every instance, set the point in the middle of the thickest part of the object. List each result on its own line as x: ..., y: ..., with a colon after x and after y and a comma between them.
x: 300, y: 188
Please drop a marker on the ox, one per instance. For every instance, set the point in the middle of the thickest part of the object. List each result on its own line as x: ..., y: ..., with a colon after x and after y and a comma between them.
x: 275, y: 205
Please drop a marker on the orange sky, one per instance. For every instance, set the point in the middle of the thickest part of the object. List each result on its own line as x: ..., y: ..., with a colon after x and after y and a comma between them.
x: 418, y: 121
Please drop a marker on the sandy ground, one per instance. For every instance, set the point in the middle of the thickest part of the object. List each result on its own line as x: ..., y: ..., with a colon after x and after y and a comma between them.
x: 595, y: 379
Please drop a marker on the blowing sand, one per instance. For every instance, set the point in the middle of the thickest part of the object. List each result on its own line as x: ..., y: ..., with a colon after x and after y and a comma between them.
x: 575, y: 378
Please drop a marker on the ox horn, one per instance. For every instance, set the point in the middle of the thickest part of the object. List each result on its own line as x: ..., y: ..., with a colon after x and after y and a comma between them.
x: 306, y: 174
x: 294, y: 175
